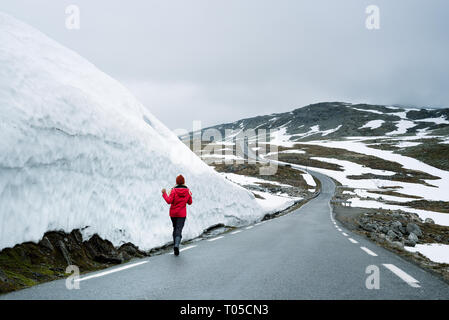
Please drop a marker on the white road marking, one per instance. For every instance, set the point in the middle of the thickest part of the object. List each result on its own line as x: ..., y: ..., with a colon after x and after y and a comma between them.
x: 111, y: 271
x: 186, y: 248
x: 345, y: 234
x: 339, y: 229
x: 368, y: 251
x: 352, y: 240
x: 249, y: 227
x: 215, y: 238
x: 236, y: 231
x: 404, y: 276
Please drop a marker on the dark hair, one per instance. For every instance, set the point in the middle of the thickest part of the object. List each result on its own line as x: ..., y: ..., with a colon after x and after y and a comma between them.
x: 180, y: 179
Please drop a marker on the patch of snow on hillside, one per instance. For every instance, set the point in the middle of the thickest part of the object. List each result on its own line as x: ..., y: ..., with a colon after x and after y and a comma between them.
x: 362, y: 193
x: 309, y: 179
x: 327, y: 132
x: 400, y: 114
x: 439, y: 218
x: 274, y: 203
x: 402, y: 126
x: 436, y: 252
x: 281, y: 138
x: 407, y: 144
x: 440, y: 120
x: 373, y: 124
x: 247, y: 180
x: 352, y: 168
x: 427, y: 192
x: 368, y: 110
x: 292, y: 151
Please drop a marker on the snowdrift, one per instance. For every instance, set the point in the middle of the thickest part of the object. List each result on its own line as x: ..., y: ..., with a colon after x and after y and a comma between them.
x: 78, y: 150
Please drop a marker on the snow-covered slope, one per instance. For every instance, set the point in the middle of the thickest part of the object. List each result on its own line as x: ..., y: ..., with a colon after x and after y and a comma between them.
x: 77, y: 149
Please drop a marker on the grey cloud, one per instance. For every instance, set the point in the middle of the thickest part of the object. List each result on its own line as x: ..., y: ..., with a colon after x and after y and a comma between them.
x: 218, y: 61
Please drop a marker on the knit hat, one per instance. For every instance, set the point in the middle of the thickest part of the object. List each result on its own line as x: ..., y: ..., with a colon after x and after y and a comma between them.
x: 180, y: 179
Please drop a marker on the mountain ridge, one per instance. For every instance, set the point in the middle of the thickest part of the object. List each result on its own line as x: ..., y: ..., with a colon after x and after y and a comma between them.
x: 301, y: 122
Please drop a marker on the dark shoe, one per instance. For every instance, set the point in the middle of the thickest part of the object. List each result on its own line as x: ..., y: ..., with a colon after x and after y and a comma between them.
x: 176, y: 249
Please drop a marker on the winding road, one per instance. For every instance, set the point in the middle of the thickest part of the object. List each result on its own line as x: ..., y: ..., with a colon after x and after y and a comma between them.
x: 305, y: 254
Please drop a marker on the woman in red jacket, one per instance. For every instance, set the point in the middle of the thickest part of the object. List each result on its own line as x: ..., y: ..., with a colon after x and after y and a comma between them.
x: 179, y: 196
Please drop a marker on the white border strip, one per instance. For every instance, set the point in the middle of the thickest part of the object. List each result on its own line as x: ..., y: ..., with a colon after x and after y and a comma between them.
x: 215, y: 238
x: 111, y: 271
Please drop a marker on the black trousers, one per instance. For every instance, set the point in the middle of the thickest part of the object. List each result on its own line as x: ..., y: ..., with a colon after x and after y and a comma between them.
x: 178, y: 224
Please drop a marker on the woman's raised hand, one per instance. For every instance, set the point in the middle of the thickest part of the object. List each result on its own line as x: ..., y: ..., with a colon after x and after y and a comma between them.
x: 163, y: 190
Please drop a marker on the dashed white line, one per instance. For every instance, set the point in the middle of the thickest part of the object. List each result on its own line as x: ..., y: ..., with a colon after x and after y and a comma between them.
x: 213, y: 239
x: 345, y: 234
x: 249, y: 227
x: 236, y: 231
x: 371, y: 253
x: 352, y: 240
x: 111, y: 271
x: 403, y: 275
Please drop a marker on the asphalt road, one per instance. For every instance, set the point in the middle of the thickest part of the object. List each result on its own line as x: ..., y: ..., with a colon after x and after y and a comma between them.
x: 302, y: 255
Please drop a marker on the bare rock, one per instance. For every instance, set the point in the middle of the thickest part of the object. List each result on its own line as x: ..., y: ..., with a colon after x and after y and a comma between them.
x: 65, y: 253
x: 396, y: 226
x: 412, y: 238
x: 77, y: 236
x: 3, y: 277
x: 46, y: 244
x: 102, y: 258
x: 414, y: 228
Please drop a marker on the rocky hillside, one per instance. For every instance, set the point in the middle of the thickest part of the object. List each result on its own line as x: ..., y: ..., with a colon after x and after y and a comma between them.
x: 331, y: 120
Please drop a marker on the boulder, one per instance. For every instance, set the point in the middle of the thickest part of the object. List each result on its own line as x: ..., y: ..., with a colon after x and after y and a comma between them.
x: 102, y: 258
x: 393, y: 235
x: 397, y: 227
x: 429, y: 220
x: 369, y: 227
x: 64, y: 252
x: 414, y: 228
x: 131, y: 250
x: 384, y: 229
x: 412, y: 238
x: 46, y: 244
x: 409, y: 243
x: 77, y: 236
x: 3, y: 277
x: 396, y: 244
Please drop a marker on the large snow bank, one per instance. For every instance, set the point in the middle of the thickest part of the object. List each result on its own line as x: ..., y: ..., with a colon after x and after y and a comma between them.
x: 77, y: 149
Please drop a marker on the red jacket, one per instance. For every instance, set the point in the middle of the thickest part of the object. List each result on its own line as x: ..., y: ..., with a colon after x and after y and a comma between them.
x: 178, y: 198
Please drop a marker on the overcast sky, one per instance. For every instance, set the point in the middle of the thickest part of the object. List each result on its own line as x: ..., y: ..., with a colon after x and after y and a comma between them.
x: 222, y: 60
